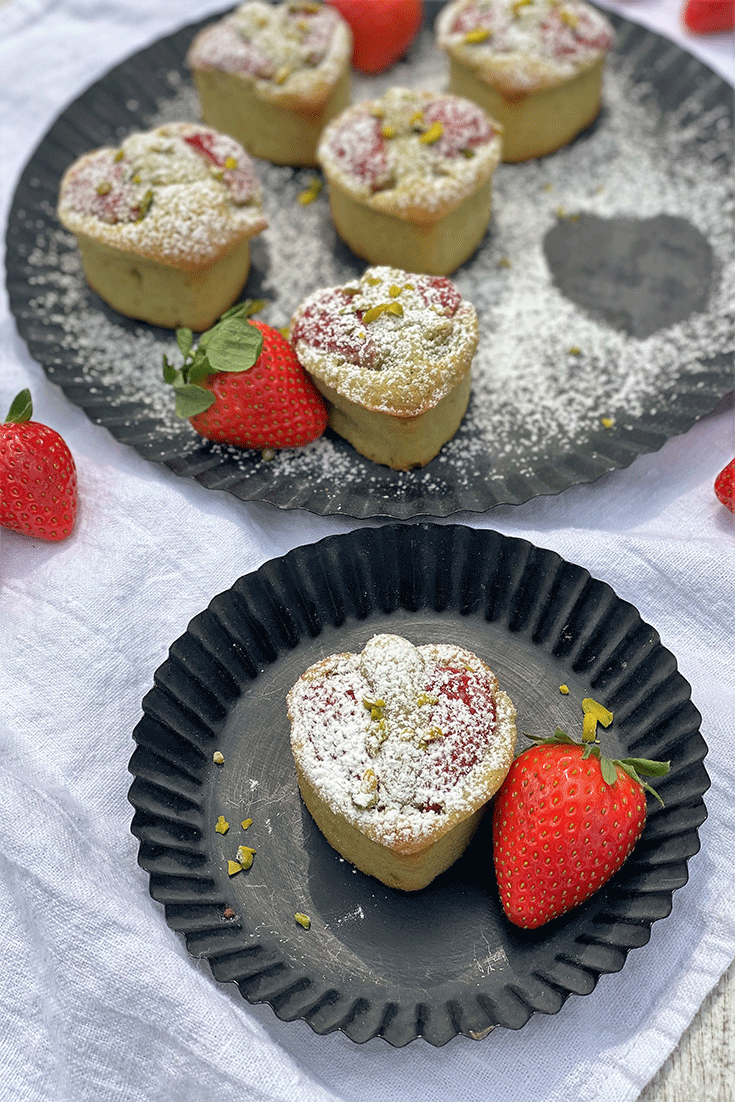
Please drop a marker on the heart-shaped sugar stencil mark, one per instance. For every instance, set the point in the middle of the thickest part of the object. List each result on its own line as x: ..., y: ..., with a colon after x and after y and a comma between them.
x: 637, y: 275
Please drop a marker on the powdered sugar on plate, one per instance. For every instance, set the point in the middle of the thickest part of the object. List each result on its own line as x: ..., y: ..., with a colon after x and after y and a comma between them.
x: 553, y: 383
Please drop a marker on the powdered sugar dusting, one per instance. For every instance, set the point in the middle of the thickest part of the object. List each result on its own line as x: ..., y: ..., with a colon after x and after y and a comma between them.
x: 181, y: 194
x: 399, y: 735
x: 534, y: 402
x: 393, y: 341
x: 411, y: 152
x: 284, y: 49
x: 522, y: 45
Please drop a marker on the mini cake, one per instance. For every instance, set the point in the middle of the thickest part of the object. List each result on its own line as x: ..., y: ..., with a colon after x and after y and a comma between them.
x: 164, y: 223
x: 392, y: 354
x: 272, y: 75
x: 410, y: 178
x: 397, y: 751
x: 535, y: 65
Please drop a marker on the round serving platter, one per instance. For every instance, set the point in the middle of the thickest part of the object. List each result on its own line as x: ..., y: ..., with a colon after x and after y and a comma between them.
x: 599, y: 285
x: 376, y: 962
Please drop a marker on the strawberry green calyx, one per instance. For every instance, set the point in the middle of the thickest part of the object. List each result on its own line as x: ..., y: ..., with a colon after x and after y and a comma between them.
x: 21, y: 409
x: 634, y: 767
x: 233, y: 344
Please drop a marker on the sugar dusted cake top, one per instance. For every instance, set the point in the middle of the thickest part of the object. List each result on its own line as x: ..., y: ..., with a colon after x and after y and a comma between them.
x: 414, y: 154
x: 401, y: 739
x: 181, y: 194
x: 520, y: 46
x: 290, y: 52
x: 391, y: 341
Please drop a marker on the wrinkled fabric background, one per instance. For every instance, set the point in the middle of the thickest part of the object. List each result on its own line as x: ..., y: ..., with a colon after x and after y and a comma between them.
x: 99, y: 999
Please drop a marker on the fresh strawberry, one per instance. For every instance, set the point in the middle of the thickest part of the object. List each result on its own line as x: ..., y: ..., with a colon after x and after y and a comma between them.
x: 243, y: 385
x: 565, y: 820
x: 709, y: 16
x: 382, y: 30
x: 725, y: 486
x: 38, y: 477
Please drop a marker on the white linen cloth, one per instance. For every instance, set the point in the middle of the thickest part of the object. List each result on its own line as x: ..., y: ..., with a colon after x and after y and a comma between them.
x: 99, y: 1000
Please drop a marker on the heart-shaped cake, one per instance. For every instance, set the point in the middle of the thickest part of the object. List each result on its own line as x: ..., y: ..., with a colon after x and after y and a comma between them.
x: 398, y: 750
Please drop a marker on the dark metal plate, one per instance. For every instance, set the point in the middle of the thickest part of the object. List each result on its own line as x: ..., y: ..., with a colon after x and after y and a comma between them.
x: 604, y: 318
x: 377, y: 962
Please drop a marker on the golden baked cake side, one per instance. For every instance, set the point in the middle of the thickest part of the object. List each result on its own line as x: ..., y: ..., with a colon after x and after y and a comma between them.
x: 164, y: 222
x: 397, y: 751
x: 273, y: 75
x: 535, y: 65
x: 409, y: 178
x: 392, y: 354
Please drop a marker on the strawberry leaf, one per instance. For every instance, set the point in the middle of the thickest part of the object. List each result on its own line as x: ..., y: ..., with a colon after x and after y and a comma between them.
x: 170, y: 373
x: 184, y: 339
x: 199, y: 368
x: 234, y: 345
x: 191, y: 400
x: 21, y: 408
x: 645, y: 765
x: 608, y: 770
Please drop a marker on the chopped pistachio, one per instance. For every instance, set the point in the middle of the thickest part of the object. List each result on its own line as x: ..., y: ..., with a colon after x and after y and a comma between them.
x: 599, y: 711
x: 431, y: 735
x: 569, y: 18
x: 575, y: 350
x: 245, y: 856
x: 233, y: 868
x: 231, y: 163
x: 504, y: 262
x: 468, y: 152
x: 104, y: 187
x: 119, y: 155
x: 589, y: 727
x: 145, y: 205
x: 564, y: 690
x: 222, y: 826
x: 375, y: 312
x: 426, y: 698
x: 388, y: 131
x: 246, y: 823
x: 607, y: 422
x: 218, y: 757
x: 268, y: 454
x: 479, y: 34
x: 310, y: 193
x: 303, y: 920
x: 433, y: 134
